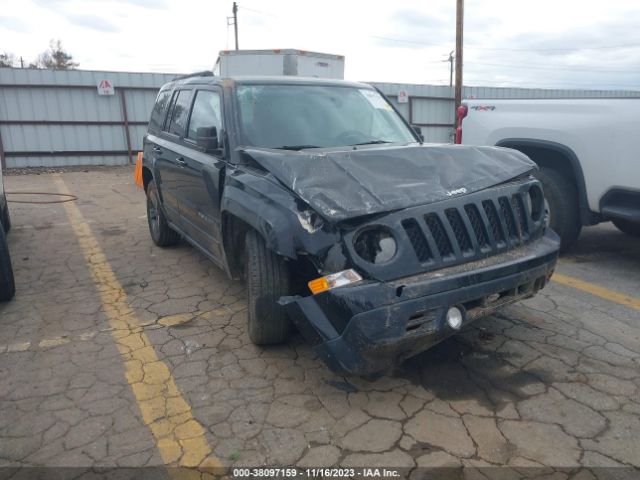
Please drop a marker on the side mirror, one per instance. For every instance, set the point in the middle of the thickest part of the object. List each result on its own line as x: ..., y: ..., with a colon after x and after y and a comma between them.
x: 207, y: 138
x: 418, y: 131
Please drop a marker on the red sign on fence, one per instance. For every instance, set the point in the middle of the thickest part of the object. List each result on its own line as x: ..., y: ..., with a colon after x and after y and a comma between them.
x: 105, y: 87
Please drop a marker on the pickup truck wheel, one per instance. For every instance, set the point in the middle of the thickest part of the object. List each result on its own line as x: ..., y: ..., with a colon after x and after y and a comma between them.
x: 7, y: 284
x: 161, y: 234
x: 267, y: 278
x: 6, y: 219
x: 562, y: 201
x: 625, y: 226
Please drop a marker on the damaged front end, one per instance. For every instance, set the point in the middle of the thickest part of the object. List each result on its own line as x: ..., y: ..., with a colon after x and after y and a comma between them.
x: 425, y: 272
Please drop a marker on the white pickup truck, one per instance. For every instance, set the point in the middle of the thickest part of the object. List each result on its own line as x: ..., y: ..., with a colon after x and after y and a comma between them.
x: 588, y: 151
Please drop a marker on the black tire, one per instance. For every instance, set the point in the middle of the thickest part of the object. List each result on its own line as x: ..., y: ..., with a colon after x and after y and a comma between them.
x: 267, y: 277
x: 7, y: 283
x: 161, y: 234
x: 625, y: 226
x: 6, y: 219
x: 562, y: 198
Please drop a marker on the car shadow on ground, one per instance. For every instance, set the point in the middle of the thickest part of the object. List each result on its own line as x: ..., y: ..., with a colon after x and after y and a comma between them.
x: 467, y: 367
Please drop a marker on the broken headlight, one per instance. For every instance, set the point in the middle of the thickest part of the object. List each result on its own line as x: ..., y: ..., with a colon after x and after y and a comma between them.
x: 535, y: 202
x: 375, y: 245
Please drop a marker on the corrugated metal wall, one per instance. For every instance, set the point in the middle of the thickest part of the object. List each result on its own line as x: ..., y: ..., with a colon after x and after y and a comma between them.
x: 432, y: 106
x: 56, y: 118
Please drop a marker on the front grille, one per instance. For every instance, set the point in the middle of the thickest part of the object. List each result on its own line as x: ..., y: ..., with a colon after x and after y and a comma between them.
x: 505, y: 208
x: 480, y: 227
x: 459, y: 230
x: 520, y: 213
x: 417, y: 239
x: 494, y: 221
x: 439, y: 235
x: 454, y: 231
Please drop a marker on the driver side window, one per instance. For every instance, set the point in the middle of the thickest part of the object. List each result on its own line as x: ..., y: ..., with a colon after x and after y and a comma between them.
x: 207, y: 113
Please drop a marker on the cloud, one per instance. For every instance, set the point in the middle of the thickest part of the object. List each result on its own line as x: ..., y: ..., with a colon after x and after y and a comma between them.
x: 51, y: 4
x: 92, y: 22
x: 507, y: 43
x: 417, y: 30
x: 13, y: 23
x: 57, y: 4
x: 157, y: 4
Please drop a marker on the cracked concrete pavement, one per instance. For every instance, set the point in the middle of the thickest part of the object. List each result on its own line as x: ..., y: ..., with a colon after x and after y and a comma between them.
x: 553, y: 381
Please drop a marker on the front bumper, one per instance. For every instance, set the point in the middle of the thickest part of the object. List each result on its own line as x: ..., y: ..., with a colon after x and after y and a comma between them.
x: 370, y: 326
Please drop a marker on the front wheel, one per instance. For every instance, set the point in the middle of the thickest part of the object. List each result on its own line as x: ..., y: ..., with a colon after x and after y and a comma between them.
x: 267, y: 277
x: 161, y: 233
x: 561, y: 197
x: 625, y: 226
x: 7, y: 283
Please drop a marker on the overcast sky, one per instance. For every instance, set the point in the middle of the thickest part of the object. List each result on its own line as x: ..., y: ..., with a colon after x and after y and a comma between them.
x: 541, y: 43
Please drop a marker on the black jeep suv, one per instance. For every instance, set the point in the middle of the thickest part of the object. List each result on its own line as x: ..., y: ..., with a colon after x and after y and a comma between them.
x: 7, y: 283
x: 340, y: 220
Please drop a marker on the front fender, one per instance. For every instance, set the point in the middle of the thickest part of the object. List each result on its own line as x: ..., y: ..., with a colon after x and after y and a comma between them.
x: 283, y: 220
x: 262, y: 217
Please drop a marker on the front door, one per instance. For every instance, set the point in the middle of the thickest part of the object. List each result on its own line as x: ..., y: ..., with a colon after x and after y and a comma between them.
x: 199, y: 186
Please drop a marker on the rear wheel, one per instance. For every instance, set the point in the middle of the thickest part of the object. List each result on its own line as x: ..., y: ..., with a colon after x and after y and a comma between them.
x: 561, y: 197
x: 6, y: 219
x: 7, y: 284
x: 625, y: 226
x: 267, y: 277
x: 161, y: 234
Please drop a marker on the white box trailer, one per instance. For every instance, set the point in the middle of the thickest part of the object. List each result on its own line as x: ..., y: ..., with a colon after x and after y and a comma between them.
x: 279, y: 62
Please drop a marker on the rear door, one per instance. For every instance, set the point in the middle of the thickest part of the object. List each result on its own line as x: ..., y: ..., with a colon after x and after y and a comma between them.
x: 154, y: 152
x: 199, y: 190
x: 169, y: 162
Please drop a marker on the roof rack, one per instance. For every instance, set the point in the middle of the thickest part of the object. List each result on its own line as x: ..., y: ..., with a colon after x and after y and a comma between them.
x: 204, y: 73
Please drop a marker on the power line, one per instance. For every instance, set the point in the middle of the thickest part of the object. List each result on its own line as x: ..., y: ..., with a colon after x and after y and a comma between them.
x: 553, y: 84
x: 260, y: 12
x: 476, y: 47
x: 580, y: 68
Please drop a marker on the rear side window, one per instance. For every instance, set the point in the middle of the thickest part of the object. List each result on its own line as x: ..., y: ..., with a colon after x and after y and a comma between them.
x: 159, y: 109
x: 206, y: 113
x: 180, y: 113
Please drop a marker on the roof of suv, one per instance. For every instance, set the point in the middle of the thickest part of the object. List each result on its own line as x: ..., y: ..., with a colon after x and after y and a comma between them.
x: 272, y: 80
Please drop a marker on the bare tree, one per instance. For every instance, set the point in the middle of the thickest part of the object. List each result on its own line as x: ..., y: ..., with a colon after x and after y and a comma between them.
x: 55, y: 58
x: 7, y: 59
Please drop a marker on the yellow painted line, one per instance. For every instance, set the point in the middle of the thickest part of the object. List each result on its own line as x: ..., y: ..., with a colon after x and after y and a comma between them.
x: 53, y: 342
x: 179, y: 436
x: 597, y: 290
x: 166, y: 321
x: 18, y: 347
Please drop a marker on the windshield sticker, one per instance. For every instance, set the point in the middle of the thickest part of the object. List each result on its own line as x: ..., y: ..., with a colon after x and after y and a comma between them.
x: 375, y: 99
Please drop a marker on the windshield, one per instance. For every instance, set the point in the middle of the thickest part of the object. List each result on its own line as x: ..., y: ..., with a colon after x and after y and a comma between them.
x: 308, y: 116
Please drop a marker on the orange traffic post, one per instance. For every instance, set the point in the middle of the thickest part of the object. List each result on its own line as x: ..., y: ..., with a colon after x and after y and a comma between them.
x: 137, y: 176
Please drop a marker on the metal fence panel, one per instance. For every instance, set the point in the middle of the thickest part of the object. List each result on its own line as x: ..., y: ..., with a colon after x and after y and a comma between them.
x: 56, y: 118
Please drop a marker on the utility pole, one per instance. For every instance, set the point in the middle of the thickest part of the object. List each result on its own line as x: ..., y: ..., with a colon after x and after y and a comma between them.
x: 450, y: 60
x: 459, y: 29
x: 235, y: 21
x: 21, y: 63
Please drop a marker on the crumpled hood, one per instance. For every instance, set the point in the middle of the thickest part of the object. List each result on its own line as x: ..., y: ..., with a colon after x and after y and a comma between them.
x: 349, y: 183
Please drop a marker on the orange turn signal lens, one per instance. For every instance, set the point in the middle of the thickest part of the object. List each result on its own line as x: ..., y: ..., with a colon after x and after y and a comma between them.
x: 328, y: 282
x: 318, y: 285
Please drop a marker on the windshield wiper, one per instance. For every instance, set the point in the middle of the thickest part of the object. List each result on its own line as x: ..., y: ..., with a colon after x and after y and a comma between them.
x: 295, y: 147
x: 370, y: 142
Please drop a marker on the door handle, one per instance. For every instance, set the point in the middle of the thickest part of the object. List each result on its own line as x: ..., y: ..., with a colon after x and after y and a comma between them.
x: 181, y: 161
x: 157, y: 149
